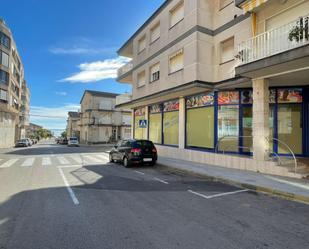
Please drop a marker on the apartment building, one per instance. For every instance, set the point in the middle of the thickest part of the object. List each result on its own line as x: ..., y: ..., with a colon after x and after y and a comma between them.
x: 100, y: 121
x: 73, y: 124
x: 24, y: 118
x: 11, y: 81
x: 223, y: 82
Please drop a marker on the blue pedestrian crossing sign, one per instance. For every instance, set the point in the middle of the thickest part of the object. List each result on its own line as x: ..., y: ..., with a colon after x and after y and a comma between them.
x: 142, y: 123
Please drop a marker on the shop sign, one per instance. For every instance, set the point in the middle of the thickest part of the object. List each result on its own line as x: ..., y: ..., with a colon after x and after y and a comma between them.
x: 246, y: 97
x: 228, y: 98
x: 290, y: 95
x: 155, y: 108
x: 171, y: 106
x: 139, y: 112
x: 200, y: 100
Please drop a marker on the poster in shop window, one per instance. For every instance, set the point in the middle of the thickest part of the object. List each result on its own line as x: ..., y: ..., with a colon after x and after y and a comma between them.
x: 290, y: 95
x: 246, y: 97
x: 171, y: 106
x: 155, y: 108
x: 228, y: 98
x: 139, y: 112
x: 200, y: 100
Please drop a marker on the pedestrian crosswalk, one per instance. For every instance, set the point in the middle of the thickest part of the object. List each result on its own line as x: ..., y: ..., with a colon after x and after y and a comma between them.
x: 53, y: 160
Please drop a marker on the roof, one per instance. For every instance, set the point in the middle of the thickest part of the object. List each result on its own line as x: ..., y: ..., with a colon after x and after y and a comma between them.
x: 99, y: 94
x: 73, y: 114
x: 153, y: 16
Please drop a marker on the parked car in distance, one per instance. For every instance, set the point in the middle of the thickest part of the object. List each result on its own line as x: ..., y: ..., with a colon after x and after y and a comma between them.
x: 22, y: 143
x: 63, y: 141
x: 29, y: 141
x: 73, y: 141
x: 134, y: 152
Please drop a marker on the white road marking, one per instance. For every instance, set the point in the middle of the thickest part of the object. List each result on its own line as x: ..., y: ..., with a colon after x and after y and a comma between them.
x: 92, y: 159
x: 71, y: 192
x: 299, y: 185
x: 46, y: 161
x: 76, y: 159
x: 103, y: 157
x: 62, y: 160
x: 217, y: 195
x: 139, y: 172
x: 8, y: 163
x: 28, y: 162
x: 159, y: 180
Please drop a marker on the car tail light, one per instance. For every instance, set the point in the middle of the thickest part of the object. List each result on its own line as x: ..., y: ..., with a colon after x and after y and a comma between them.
x: 154, y: 150
x: 136, y: 151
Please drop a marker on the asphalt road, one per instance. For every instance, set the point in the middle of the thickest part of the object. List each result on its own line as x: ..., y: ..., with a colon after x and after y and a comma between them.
x: 52, y: 196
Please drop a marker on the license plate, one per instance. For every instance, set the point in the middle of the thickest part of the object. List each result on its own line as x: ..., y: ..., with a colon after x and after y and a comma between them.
x: 147, y: 159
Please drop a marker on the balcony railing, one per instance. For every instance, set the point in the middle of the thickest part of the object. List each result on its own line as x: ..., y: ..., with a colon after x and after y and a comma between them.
x: 124, y: 69
x: 289, y: 36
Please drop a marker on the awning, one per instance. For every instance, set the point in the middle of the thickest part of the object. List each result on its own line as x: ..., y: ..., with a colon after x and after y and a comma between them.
x: 252, y: 4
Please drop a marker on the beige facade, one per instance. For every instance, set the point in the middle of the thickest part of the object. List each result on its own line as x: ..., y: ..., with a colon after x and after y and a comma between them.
x: 248, y: 70
x: 73, y: 124
x: 11, y: 89
x: 100, y: 122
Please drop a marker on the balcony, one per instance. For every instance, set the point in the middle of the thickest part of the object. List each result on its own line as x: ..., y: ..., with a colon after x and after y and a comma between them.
x: 287, y: 37
x: 123, y: 74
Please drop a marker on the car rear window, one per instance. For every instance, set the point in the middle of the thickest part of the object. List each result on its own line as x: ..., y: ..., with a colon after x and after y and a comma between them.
x: 73, y: 138
x: 143, y: 144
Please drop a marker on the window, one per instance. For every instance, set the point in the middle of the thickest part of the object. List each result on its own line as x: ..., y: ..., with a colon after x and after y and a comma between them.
x: 141, y: 79
x: 177, y: 14
x: 171, y: 122
x: 4, y: 77
x: 200, y: 121
x: 155, y: 124
x: 155, y: 33
x: 224, y: 3
x: 4, y: 40
x: 227, y: 50
x: 176, y: 61
x: 141, y: 44
x: 3, y: 95
x: 4, y: 59
x: 155, y: 72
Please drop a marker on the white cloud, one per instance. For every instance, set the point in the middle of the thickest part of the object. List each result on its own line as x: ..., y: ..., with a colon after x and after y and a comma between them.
x: 51, y: 117
x: 61, y: 93
x: 80, y: 50
x: 98, y: 70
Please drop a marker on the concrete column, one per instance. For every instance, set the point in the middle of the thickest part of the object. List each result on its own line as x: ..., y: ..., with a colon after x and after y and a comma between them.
x: 182, y: 122
x: 260, y: 124
x: 146, y: 117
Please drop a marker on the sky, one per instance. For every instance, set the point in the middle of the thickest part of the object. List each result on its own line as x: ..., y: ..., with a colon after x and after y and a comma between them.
x: 68, y: 46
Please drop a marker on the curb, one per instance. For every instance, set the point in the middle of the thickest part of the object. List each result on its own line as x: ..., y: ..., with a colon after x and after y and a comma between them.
x: 265, y: 190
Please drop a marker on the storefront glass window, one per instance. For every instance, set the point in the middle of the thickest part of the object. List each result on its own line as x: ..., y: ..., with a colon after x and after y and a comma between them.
x: 139, y: 132
x: 200, y: 121
x: 247, y: 129
x: 228, y: 121
x: 155, y: 124
x: 171, y: 122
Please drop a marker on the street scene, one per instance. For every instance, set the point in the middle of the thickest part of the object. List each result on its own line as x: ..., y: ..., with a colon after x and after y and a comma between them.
x: 157, y: 124
x: 58, y: 197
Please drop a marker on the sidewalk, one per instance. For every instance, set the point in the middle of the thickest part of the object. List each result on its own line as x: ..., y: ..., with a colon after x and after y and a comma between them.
x: 289, y: 188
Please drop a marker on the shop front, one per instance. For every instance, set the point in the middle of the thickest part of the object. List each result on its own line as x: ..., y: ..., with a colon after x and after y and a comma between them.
x: 223, y: 122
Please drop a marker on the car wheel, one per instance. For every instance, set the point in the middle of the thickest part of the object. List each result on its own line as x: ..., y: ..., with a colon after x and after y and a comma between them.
x: 111, y: 160
x: 126, y: 162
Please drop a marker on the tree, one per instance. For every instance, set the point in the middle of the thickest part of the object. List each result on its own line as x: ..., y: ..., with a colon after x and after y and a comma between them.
x: 64, y: 134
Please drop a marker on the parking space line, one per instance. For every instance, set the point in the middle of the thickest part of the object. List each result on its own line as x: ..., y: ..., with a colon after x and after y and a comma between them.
x: 8, y: 163
x: 217, y: 195
x: 28, y: 162
x: 160, y: 180
x: 71, y: 192
x: 139, y: 172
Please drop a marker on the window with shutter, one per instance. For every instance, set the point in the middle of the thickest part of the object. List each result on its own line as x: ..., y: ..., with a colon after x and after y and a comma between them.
x: 155, y: 33
x: 4, y: 59
x: 176, y: 61
x: 141, y: 79
x: 3, y: 95
x: 155, y: 72
x: 142, y: 44
x: 177, y: 14
x: 227, y: 50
